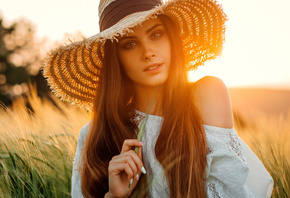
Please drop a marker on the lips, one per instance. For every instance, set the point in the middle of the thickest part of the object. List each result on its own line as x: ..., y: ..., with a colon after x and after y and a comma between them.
x: 152, y: 67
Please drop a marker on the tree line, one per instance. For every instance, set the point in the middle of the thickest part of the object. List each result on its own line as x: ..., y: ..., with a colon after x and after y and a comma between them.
x: 21, y: 56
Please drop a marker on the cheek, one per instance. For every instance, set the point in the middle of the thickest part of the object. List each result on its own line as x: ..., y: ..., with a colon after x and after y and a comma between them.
x: 123, y: 60
x: 127, y: 63
x: 167, y: 51
x: 121, y: 57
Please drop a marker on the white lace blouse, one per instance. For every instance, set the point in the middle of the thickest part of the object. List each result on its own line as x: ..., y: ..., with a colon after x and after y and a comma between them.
x: 233, y: 170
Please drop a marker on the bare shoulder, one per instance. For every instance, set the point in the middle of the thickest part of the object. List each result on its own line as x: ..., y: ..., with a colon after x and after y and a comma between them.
x: 212, y: 99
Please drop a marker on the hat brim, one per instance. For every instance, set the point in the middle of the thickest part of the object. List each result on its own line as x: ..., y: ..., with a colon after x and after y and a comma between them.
x: 73, y: 71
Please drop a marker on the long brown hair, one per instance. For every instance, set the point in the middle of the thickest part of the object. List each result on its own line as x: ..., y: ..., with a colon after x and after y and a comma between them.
x: 181, y: 136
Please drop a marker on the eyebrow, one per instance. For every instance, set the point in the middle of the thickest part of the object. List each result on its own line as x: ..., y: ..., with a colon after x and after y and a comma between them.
x: 147, y: 32
x: 152, y: 28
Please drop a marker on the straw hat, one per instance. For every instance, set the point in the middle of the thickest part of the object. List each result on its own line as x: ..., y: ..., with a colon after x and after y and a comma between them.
x: 73, y: 71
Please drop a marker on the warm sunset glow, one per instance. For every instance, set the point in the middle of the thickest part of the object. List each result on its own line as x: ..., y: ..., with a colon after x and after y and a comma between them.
x: 192, y: 77
x: 255, y: 50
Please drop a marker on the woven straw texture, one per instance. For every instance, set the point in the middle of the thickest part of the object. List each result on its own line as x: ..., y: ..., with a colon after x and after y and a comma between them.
x: 73, y: 71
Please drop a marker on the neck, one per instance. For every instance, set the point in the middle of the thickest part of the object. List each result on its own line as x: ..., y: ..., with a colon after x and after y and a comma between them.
x: 148, y: 98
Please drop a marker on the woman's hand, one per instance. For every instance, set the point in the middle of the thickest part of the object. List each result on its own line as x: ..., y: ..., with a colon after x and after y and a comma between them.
x: 125, y: 169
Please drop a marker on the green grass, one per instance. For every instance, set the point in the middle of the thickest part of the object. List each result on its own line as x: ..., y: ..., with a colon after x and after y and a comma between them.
x: 37, y: 147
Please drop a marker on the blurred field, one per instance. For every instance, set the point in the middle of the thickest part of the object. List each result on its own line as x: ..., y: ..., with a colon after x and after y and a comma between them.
x: 250, y: 103
x: 37, y: 144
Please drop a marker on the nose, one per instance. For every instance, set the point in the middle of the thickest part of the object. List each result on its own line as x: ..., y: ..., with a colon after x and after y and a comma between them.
x: 148, y: 52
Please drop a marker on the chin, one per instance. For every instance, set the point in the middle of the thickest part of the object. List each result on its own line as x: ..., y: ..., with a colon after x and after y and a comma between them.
x: 158, y: 82
x: 151, y: 82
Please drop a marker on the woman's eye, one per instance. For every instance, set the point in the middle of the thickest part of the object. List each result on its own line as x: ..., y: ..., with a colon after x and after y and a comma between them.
x: 156, y: 35
x: 129, y: 45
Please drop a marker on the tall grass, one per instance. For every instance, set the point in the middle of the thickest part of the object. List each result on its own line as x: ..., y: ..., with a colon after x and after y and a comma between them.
x: 269, y: 138
x: 37, y: 146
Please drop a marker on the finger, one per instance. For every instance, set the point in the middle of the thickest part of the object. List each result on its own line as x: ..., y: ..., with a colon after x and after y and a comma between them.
x: 137, y: 160
x: 130, y: 157
x: 140, y: 153
x: 138, y: 175
x: 123, y: 156
x: 136, y: 178
x: 129, y: 143
x: 139, y: 164
x: 117, y: 168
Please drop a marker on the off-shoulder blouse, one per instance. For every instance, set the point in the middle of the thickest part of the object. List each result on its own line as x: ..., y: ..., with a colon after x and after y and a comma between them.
x: 233, y: 170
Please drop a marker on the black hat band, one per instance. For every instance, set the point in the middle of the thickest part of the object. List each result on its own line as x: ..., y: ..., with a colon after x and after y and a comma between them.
x: 119, y: 9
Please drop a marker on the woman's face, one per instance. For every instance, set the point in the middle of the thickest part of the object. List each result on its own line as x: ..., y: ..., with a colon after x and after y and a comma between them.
x: 145, y: 55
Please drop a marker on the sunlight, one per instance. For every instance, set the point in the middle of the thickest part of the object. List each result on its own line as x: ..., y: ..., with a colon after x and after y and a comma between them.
x: 192, y: 77
x: 256, y: 43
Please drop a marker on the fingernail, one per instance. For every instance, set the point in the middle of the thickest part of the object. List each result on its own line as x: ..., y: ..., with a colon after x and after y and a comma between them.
x: 143, y: 170
x: 137, y: 176
x: 141, y: 143
x: 131, y: 181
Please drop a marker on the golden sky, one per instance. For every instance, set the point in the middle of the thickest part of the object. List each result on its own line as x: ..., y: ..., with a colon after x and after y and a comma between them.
x: 256, y: 51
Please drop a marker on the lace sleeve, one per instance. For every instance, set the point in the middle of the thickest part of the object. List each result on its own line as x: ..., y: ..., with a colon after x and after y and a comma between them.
x: 76, y: 191
x: 227, y: 169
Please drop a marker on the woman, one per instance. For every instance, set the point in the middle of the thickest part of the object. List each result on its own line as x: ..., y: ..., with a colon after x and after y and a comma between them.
x: 138, y: 63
